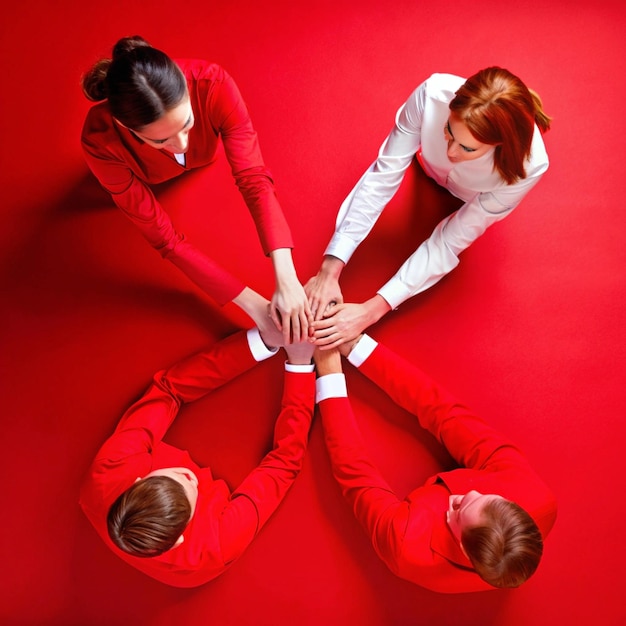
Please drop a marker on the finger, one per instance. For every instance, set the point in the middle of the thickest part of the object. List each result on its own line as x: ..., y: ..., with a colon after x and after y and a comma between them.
x: 305, y: 320
x: 308, y: 314
x: 275, y: 315
x: 325, y: 341
x: 319, y: 309
x: 295, y: 328
x: 323, y: 325
x: 325, y: 333
x: 332, y: 308
x: 287, y: 331
x: 330, y: 341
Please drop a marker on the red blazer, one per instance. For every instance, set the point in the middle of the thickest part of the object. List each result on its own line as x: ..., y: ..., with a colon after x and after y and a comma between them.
x: 125, y: 166
x: 223, y: 524
x: 411, y: 536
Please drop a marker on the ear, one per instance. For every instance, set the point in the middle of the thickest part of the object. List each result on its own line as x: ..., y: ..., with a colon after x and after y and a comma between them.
x: 178, y: 542
x: 137, y: 479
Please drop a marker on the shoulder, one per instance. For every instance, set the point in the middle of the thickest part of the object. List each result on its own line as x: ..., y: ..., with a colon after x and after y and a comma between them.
x: 98, y: 128
x: 199, y: 69
x: 538, y: 161
x: 442, y: 87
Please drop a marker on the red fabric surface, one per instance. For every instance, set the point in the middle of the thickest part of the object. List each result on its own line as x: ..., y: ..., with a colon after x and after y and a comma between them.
x: 528, y: 331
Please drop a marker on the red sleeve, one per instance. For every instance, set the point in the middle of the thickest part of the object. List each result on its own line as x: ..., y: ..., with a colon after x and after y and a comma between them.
x: 253, y: 179
x: 128, y: 452
x: 262, y: 491
x: 137, y: 201
x: 469, y: 440
x: 375, y: 505
x: 145, y: 423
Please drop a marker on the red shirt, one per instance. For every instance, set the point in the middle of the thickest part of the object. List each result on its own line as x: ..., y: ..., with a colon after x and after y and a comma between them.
x: 411, y: 535
x: 125, y: 166
x: 224, y: 522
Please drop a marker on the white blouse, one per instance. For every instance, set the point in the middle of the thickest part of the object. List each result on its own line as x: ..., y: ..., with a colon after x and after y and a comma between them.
x: 488, y: 199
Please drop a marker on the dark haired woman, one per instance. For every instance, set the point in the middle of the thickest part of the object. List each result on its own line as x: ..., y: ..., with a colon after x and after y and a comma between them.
x: 157, y: 118
x: 481, y: 139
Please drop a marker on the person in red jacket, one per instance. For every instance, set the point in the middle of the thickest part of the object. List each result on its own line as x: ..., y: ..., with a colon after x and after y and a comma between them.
x: 155, y: 119
x: 475, y: 528
x: 156, y: 508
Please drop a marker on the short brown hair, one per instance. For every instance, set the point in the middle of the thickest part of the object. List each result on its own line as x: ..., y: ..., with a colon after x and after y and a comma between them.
x: 498, y: 109
x: 505, y: 551
x: 148, y: 518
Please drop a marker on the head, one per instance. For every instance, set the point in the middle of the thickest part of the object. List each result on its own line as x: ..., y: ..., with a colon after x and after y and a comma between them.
x: 144, y: 87
x: 498, y: 110
x: 500, y: 539
x: 150, y: 517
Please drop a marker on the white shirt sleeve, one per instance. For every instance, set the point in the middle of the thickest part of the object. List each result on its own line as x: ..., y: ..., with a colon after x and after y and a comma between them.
x: 439, y: 254
x: 361, y: 351
x: 259, y: 350
x: 363, y: 206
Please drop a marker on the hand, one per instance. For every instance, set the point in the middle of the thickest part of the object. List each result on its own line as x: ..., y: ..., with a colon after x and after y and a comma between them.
x: 300, y: 353
x: 323, y: 289
x: 290, y: 312
x: 345, y: 322
x: 258, y: 308
x: 289, y: 307
x: 271, y: 336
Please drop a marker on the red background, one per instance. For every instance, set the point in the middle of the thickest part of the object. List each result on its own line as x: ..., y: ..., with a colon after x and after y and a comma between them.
x: 529, y: 330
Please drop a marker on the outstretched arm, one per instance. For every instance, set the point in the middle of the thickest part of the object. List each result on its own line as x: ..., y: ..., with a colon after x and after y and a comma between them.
x: 127, y: 453
x: 289, y: 308
x: 468, y: 439
x: 364, y: 204
x: 262, y: 491
x: 375, y: 505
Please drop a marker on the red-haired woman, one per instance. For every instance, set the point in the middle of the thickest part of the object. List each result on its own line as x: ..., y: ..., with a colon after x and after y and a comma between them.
x: 157, y: 118
x: 481, y: 139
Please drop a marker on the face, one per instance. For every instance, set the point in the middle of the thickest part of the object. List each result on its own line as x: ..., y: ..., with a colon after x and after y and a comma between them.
x: 466, y: 511
x: 185, y: 477
x: 171, y: 131
x: 462, y: 145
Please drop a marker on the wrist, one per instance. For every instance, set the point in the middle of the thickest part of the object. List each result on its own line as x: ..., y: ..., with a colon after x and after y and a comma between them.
x: 376, y: 307
x: 332, y: 267
x: 327, y: 362
x: 284, y: 269
x: 252, y: 303
x: 299, y: 361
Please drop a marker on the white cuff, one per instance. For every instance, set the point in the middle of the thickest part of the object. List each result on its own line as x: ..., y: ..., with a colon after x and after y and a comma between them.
x: 364, y: 347
x: 395, y: 292
x: 330, y: 386
x: 299, y: 368
x: 259, y: 350
x: 341, y: 246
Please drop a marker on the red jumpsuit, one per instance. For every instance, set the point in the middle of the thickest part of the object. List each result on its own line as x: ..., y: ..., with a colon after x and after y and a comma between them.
x: 125, y: 165
x: 224, y: 523
x: 411, y: 535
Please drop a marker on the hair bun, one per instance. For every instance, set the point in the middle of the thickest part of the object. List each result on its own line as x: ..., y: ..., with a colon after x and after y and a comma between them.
x: 128, y: 44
